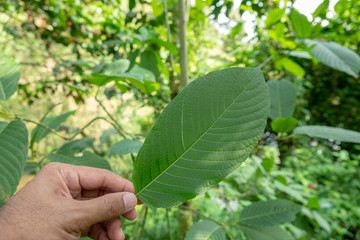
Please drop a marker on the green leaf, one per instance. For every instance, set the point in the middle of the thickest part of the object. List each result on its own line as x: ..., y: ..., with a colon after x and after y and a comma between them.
x: 148, y: 61
x: 299, y: 54
x: 321, y: 9
x: 269, y: 213
x: 141, y: 78
x: 86, y: 159
x: 274, y: 16
x: 125, y: 146
x: 3, y: 126
x: 78, y: 145
x: 317, y: 218
x: 321, y: 221
x: 52, y: 122
x: 149, y: 81
x: 282, y: 98
x: 9, y: 77
x: 119, y: 66
x: 291, y: 66
x: 336, y: 56
x: 325, y: 132
x: 205, y: 230
x: 13, y: 149
x: 341, y: 6
x: 283, y: 125
x: 157, y: 7
x: 236, y: 30
x: 266, y: 233
x: 301, y: 24
x: 205, y: 133
x: 313, y: 202
x: 168, y: 45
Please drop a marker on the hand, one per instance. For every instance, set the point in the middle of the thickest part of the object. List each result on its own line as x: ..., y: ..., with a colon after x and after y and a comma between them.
x: 52, y: 205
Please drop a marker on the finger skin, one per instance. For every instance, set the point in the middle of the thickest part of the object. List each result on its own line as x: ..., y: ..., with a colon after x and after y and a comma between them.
x: 65, y: 202
x: 131, y: 215
x: 114, y: 229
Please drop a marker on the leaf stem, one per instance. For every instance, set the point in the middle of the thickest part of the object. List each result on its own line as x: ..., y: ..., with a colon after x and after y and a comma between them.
x: 143, y: 224
x: 168, y: 223
x: 117, y: 126
x: 132, y: 237
x: 58, y: 134
x: 168, y: 34
x: 268, y: 59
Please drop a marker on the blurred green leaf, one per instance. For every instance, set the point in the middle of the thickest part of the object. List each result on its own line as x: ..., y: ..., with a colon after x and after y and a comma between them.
x: 52, y: 122
x: 125, y: 146
x: 336, y: 56
x: 236, y: 30
x: 321, y: 9
x: 78, y: 145
x: 301, y: 24
x: 265, y: 233
x: 85, y: 159
x: 119, y: 66
x: 9, y: 77
x: 205, y: 230
x: 13, y: 149
x: 283, y: 125
x: 291, y: 66
x: 313, y: 203
x: 341, y: 6
x: 274, y: 15
x: 282, y: 98
x: 148, y: 61
x: 3, y: 126
x: 269, y: 213
x: 325, y: 132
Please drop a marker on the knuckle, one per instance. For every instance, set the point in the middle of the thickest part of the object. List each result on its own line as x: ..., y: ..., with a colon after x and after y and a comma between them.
x: 51, y: 166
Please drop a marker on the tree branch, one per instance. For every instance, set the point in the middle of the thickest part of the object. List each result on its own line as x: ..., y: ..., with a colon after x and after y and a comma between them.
x: 60, y: 135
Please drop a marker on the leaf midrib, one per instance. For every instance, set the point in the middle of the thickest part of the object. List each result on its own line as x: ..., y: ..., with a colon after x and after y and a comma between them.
x: 196, y: 140
x: 262, y: 215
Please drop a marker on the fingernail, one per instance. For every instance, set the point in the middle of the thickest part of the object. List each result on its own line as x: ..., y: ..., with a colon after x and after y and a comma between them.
x: 130, y: 200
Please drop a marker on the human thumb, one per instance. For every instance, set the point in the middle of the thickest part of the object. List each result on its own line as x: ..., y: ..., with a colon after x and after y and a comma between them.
x: 108, y: 206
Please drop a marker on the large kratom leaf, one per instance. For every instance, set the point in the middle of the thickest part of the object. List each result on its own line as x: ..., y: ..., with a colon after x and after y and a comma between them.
x: 9, y: 77
x: 205, y: 133
x: 336, y: 56
x: 282, y: 98
x: 52, y: 122
x: 265, y: 233
x: 125, y: 146
x: 269, y: 213
x: 86, y: 159
x: 206, y: 230
x: 325, y: 132
x: 13, y: 149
